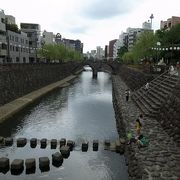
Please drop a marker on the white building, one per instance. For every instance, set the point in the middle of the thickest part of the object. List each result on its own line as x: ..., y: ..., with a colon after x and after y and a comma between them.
x: 115, y: 48
x: 100, y: 52
x: 3, y: 42
x: 146, y: 25
x: 10, y: 19
x: 48, y: 37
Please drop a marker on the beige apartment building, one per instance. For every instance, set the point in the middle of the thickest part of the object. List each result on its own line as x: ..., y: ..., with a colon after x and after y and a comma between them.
x: 174, y: 20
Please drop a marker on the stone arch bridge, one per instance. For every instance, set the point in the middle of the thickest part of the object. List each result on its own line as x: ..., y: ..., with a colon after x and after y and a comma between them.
x: 96, y: 66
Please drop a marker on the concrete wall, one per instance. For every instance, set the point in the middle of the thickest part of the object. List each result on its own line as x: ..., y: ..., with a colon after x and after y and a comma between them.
x: 17, y: 80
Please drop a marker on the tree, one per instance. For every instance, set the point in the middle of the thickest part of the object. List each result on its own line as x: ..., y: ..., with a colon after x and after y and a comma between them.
x: 143, y: 46
x: 122, y: 51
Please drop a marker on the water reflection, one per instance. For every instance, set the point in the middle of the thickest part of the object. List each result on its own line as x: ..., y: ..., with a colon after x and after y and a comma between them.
x: 81, y: 111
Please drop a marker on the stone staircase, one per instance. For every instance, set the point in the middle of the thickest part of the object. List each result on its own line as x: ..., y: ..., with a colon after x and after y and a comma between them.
x: 149, y: 101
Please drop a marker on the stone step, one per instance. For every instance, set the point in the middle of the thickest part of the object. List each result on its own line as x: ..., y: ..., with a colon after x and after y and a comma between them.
x: 170, y: 80
x: 144, y: 110
x: 165, y: 83
x: 148, y: 101
x: 161, y: 85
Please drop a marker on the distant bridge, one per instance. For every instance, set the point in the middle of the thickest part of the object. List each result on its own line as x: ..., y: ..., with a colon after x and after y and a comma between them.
x: 97, y: 65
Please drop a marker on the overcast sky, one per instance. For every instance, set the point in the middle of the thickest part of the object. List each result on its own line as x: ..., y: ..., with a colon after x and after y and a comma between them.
x: 94, y: 22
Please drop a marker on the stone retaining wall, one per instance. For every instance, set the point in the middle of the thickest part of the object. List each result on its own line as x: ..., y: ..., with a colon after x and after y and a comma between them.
x: 134, y: 78
x: 160, y: 160
x: 169, y: 115
x: 17, y: 80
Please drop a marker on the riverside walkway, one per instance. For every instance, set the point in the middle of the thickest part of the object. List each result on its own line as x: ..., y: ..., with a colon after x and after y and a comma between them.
x: 161, y: 159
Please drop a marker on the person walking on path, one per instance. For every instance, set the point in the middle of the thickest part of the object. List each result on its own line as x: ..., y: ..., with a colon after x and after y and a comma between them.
x: 127, y: 93
x: 138, y: 127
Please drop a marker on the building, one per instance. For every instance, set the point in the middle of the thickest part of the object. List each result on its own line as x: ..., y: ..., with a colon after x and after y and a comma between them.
x: 174, y: 20
x: 33, y: 31
x: 47, y: 38
x: 133, y: 34
x: 73, y: 44
x: 106, y: 51
x: 146, y: 25
x: 10, y: 19
x: 111, y: 47
x: 99, y: 53
x: 117, y: 46
x: 18, y: 47
x: 3, y: 41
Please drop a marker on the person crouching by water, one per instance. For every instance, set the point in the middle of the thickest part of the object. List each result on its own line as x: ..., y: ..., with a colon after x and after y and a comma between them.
x: 127, y: 93
x: 138, y: 127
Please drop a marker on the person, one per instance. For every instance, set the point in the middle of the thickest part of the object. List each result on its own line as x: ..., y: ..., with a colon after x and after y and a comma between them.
x: 138, y: 127
x: 141, y: 117
x: 142, y: 141
x: 127, y: 93
x: 147, y: 86
x: 171, y: 69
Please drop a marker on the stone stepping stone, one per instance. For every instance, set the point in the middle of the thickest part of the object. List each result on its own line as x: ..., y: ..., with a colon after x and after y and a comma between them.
x: 84, y: 146
x: 62, y: 142
x: 17, y: 164
x: 53, y: 143
x: 33, y: 142
x: 21, y: 142
x: 57, y: 159
x: 1, y: 139
x: 65, y: 151
x: 43, y: 143
x: 30, y: 163
x: 113, y: 146
x: 71, y: 144
x: 95, y: 145
x: 44, y: 163
x: 107, y: 144
x: 4, y: 163
x: 8, y: 141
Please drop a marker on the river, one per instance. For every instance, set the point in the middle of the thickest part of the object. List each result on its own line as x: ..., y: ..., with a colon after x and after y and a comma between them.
x: 81, y: 111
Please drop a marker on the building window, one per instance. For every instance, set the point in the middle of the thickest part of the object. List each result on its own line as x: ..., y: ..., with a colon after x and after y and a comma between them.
x: 13, y: 38
x: 24, y: 60
x: 13, y: 48
x: 17, y: 49
x: 17, y: 59
x: 26, y: 41
x: 2, y: 20
x: 16, y: 39
x: 10, y: 47
x: 4, y: 46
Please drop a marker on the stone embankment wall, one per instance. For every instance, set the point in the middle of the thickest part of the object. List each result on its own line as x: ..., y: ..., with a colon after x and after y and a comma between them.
x: 17, y: 80
x: 134, y: 78
x: 169, y: 115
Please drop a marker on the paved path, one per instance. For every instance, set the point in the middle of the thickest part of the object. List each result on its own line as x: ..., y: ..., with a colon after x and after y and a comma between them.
x: 161, y: 159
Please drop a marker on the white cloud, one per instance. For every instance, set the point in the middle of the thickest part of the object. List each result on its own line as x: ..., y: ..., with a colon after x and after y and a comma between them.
x: 94, y: 22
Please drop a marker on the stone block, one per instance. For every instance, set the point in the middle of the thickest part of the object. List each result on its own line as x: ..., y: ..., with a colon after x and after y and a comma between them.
x: 4, y: 163
x: 65, y: 151
x: 21, y: 142
x: 84, y: 146
x: 30, y: 163
x: 62, y: 142
x: 17, y: 164
x: 8, y: 141
x: 107, y: 142
x: 95, y: 145
x: 44, y: 162
x: 53, y: 143
x: 57, y: 159
x: 43, y: 143
x: 71, y: 144
x: 122, y: 140
x: 33, y: 142
x: 1, y: 139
